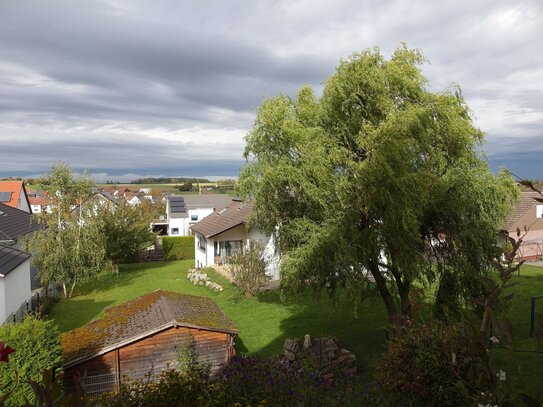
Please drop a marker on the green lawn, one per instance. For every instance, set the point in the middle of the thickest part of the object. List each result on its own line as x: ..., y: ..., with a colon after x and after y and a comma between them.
x: 266, y: 322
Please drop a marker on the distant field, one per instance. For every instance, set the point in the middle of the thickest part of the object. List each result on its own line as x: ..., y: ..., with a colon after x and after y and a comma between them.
x: 164, y: 188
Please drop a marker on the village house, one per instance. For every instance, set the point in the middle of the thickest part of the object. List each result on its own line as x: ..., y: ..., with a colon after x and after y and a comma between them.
x: 184, y: 211
x: 17, y: 277
x: 143, y: 337
x: 527, y: 215
x: 13, y: 193
x: 219, y: 235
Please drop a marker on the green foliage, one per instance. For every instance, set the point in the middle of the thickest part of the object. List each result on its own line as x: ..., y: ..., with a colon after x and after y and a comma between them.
x: 187, y: 186
x: 248, y: 268
x: 70, y: 248
x: 242, y: 382
x: 366, y: 179
x: 172, y: 388
x: 125, y: 229
x: 431, y: 364
x: 37, y: 347
x: 178, y: 247
x: 189, y: 360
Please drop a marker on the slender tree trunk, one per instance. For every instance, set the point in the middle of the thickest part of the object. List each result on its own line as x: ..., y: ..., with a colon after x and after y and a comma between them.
x: 380, y: 281
x: 65, y: 290
x: 72, y: 290
x: 405, y: 302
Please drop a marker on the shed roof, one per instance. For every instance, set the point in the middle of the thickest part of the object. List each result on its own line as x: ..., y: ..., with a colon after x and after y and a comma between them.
x: 140, y: 318
x: 526, y: 201
x: 10, y: 258
x: 15, y: 222
x: 236, y: 213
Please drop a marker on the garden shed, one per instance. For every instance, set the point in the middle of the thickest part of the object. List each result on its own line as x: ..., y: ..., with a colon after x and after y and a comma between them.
x: 142, y: 337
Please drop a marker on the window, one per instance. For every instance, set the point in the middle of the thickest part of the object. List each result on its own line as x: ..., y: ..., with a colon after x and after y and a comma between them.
x: 175, y: 231
x: 193, y: 217
x: 5, y: 196
x: 202, y: 242
x: 539, y: 211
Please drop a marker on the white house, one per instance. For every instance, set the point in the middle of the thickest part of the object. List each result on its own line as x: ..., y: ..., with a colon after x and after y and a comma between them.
x: 184, y: 211
x: 222, y: 233
x: 15, y: 284
x: 14, y: 224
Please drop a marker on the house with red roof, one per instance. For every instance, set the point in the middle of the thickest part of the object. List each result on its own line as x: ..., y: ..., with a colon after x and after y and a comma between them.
x: 13, y: 193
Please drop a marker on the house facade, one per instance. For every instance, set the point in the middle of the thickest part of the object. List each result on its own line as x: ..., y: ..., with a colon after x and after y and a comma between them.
x: 183, y: 211
x: 527, y: 215
x: 142, y: 337
x: 15, y: 284
x: 224, y: 232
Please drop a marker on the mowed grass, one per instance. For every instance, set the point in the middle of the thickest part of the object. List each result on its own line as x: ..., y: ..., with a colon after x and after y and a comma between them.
x: 265, y: 322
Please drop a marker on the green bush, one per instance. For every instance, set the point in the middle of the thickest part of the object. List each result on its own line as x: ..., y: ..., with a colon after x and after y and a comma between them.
x: 37, y: 347
x: 178, y: 247
x: 436, y: 364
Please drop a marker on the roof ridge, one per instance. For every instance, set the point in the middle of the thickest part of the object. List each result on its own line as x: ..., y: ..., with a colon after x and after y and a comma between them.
x: 165, y: 308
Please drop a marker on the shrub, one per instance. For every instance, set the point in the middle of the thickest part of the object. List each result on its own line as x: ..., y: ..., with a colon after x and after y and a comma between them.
x: 435, y: 364
x: 243, y: 382
x: 248, y: 269
x: 171, y: 388
x: 278, y: 382
x: 178, y: 247
x: 37, y: 347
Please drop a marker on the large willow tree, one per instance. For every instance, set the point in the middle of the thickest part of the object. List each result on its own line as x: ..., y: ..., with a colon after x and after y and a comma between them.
x: 376, y: 185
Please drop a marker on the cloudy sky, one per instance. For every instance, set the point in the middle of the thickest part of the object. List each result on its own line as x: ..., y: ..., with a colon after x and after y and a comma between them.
x: 126, y: 87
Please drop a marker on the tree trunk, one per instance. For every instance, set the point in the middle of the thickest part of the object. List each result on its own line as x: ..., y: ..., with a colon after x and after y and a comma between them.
x: 380, y: 281
x: 405, y: 302
x: 64, y: 289
x: 72, y: 290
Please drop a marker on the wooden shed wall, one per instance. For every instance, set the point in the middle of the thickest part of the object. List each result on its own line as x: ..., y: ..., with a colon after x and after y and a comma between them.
x: 154, y: 353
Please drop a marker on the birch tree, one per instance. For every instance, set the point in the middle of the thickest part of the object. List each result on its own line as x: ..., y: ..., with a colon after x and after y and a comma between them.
x: 70, y: 248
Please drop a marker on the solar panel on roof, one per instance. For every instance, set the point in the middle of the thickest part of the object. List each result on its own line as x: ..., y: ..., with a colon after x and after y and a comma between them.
x: 5, y: 196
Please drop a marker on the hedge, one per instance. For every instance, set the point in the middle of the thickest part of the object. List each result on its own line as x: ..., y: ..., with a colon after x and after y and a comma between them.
x: 178, y: 247
x: 37, y: 347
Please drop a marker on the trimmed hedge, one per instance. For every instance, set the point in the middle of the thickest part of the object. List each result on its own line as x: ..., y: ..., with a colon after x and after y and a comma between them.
x: 37, y: 347
x: 178, y: 247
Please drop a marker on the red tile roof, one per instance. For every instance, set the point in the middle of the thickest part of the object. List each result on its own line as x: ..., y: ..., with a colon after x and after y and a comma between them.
x: 15, y: 187
x: 236, y: 213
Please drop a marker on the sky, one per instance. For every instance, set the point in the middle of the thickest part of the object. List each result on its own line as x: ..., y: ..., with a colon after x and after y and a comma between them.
x: 131, y: 88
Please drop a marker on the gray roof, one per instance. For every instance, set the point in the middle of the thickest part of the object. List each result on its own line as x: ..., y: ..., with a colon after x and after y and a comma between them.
x: 215, y: 201
x: 15, y: 222
x: 237, y: 213
x: 10, y: 258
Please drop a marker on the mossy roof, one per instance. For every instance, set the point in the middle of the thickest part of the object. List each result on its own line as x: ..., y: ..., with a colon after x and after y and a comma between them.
x: 139, y: 318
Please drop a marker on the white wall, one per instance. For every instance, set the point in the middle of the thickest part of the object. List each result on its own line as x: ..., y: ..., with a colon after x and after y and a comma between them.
x: 239, y: 233
x: 203, y: 259
x: 271, y: 257
x: 14, y: 290
x: 179, y: 223
x: 23, y: 203
x: 201, y: 213
x: 36, y: 208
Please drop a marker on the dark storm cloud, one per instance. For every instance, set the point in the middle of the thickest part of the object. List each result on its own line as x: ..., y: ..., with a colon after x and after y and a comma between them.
x: 171, y: 87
